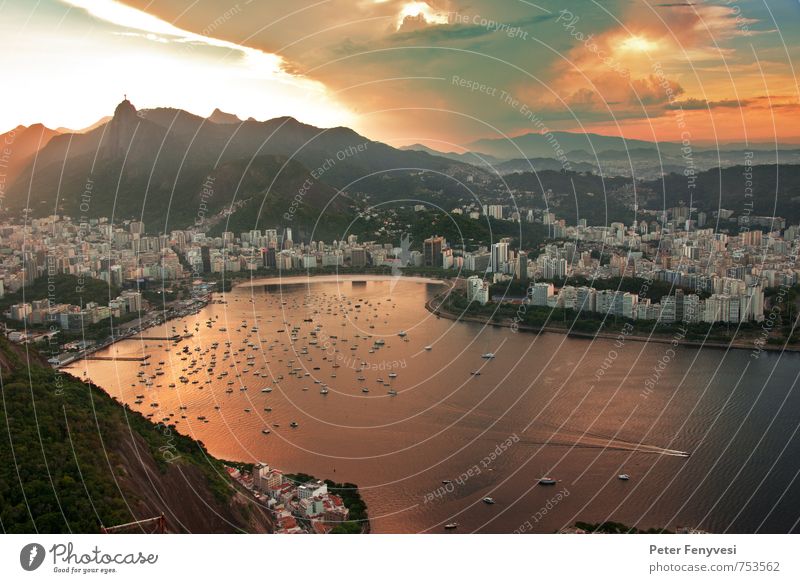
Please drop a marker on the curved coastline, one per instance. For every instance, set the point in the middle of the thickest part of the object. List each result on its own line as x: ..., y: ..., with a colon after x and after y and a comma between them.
x: 327, y: 278
x: 749, y: 346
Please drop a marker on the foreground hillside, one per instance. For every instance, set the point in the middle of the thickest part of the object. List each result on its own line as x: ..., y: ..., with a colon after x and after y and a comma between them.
x: 73, y: 459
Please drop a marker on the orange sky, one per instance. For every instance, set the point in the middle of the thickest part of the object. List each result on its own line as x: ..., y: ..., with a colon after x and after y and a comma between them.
x: 443, y: 72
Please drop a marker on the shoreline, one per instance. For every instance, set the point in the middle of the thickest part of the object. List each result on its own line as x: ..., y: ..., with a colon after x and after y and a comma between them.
x: 332, y: 278
x: 439, y: 311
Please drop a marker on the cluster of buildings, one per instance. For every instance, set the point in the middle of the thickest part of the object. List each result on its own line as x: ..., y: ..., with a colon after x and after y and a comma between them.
x: 744, y: 304
x: 273, y: 249
x: 96, y: 249
x: 718, y: 277
x: 297, y: 508
x: 72, y: 317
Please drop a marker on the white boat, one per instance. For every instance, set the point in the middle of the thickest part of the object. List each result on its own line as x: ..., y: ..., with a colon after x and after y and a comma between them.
x: 489, y: 500
x: 547, y: 481
x: 323, y: 391
x: 451, y: 525
x: 429, y: 348
x: 487, y: 355
x: 624, y: 477
x: 392, y: 392
x: 402, y: 334
x: 392, y: 375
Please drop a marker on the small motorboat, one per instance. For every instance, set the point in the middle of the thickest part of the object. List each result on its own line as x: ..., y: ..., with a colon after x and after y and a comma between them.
x: 489, y: 500
x: 547, y: 481
x: 451, y: 526
x: 624, y: 477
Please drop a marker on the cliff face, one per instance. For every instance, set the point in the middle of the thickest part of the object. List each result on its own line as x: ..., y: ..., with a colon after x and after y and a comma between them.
x: 72, y: 459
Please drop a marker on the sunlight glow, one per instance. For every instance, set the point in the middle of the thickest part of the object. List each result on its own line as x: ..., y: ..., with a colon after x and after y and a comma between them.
x: 638, y: 44
x: 415, y: 9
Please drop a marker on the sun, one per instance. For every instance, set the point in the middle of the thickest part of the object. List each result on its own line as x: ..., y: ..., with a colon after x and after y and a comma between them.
x: 638, y: 44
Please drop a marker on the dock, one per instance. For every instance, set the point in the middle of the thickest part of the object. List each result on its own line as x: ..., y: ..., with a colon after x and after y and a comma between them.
x: 120, y: 358
x: 173, y: 338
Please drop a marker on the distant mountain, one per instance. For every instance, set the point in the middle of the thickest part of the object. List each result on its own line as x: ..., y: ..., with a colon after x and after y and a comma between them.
x: 776, y: 191
x: 218, y: 116
x: 154, y: 164
x: 474, y: 158
x: 20, y: 145
x: 103, y: 120
x: 539, y: 145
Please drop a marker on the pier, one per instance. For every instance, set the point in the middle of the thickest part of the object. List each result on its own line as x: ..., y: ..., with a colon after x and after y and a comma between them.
x: 173, y: 338
x: 121, y: 358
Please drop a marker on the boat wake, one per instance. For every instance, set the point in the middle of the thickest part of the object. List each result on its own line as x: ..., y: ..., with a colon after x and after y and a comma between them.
x: 586, y: 440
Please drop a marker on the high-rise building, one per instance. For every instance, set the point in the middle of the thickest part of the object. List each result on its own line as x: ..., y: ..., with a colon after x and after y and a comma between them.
x: 522, y: 267
x: 541, y: 293
x: 499, y: 256
x: 433, y: 251
x: 495, y: 211
x: 477, y: 290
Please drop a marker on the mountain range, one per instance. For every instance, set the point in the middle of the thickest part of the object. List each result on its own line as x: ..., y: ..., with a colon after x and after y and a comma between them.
x: 157, y: 165
x: 173, y: 169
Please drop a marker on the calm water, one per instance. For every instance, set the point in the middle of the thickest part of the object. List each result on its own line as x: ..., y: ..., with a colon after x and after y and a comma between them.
x: 536, y: 409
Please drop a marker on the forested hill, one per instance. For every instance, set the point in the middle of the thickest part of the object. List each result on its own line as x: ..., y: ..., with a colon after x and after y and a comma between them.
x: 73, y: 459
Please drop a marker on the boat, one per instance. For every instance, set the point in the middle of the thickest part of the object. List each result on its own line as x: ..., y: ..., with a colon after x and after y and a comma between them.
x: 402, y: 334
x: 266, y: 390
x: 323, y: 391
x: 624, y: 477
x: 547, y: 481
x: 392, y: 392
x: 487, y: 355
x: 392, y: 375
x: 475, y: 373
x: 429, y: 348
x: 489, y: 500
x: 293, y: 424
x: 265, y: 431
x: 447, y: 481
x: 365, y: 390
x: 451, y: 525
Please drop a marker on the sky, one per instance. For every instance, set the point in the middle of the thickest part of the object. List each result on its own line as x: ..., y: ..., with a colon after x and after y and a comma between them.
x: 443, y: 72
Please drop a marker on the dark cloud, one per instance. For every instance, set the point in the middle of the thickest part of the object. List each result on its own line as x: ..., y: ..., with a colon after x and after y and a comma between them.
x: 692, y: 104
